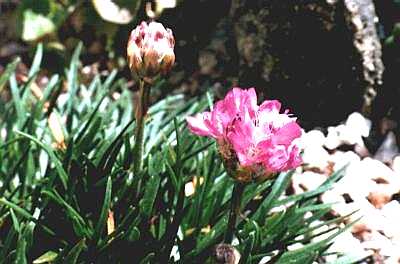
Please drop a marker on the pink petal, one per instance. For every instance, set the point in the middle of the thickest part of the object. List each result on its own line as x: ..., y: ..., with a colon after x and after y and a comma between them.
x: 242, y: 140
x: 295, y: 159
x: 277, y: 160
x: 251, y: 92
x: 220, y: 117
x: 270, y: 105
x: 286, y: 134
x: 239, y: 100
x: 197, y: 125
x: 241, y: 137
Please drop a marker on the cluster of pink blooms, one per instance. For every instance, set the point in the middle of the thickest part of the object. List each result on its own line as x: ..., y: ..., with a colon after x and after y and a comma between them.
x: 150, y: 49
x: 259, y: 137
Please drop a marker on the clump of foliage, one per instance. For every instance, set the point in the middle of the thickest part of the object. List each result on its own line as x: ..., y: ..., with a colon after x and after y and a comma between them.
x: 78, y: 201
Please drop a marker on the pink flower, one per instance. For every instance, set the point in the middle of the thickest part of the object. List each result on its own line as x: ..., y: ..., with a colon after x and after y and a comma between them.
x: 150, y: 49
x: 257, y: 136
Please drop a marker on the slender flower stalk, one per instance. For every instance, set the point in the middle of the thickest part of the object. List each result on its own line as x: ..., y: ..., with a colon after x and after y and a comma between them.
x: 234, y: 212
x: 140, y: 115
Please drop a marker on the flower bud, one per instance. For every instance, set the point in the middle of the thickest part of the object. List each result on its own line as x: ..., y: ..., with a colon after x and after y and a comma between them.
x: 226, y: 254
x: 150, y: 50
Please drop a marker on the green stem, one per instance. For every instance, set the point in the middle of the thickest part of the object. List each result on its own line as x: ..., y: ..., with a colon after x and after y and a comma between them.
x: 140, y: 115
x: 234, y: 211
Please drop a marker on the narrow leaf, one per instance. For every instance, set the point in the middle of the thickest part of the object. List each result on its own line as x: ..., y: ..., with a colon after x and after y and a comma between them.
x: 151, y: 190
x: 104, y: 210
x: 7, y: 73
x: 61, y: 172
x: 36, y: 61
x: 73, y: 255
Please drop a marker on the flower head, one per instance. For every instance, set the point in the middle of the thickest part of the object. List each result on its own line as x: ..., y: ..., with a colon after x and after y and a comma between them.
x: 254, y: 141
x: 150, y: 49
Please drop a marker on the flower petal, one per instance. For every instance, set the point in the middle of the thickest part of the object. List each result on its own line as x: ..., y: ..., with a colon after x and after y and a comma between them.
x: 270, y: 105
x: 198, y: 126
x: 286, y: 134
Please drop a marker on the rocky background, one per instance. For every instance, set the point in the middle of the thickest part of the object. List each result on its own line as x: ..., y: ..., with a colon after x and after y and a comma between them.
x: 368, y: 192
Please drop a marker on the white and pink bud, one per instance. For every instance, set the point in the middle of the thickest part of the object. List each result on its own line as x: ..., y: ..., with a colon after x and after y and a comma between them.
x: 150, y: 50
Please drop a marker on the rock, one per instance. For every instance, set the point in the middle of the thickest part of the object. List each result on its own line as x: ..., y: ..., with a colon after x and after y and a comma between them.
x: 380, y: 195
x: 336, y: 199
x: 332, y: 139
x: 313, y: 138
x: 370, y: 218
x: 393, y: 260
x: 362, y: 150
x: 388, y: 150
x: 396, y: 165
x: 378, y: 242
x: 307, y: 181
x: 359, y: 124
x: 273, y: 52
x: 391, y: 211
x: 354, y: 176
x: 379, y: 172
x: 346, y: 243
x: 362, y: 18
x: 341, y: 159
x: 387, y: 181
x: 316, y: 158
x: 348, y: 135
